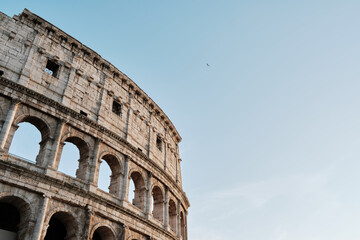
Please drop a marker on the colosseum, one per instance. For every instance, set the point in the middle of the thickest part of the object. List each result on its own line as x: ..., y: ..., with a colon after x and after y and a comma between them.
x: 70, y: 94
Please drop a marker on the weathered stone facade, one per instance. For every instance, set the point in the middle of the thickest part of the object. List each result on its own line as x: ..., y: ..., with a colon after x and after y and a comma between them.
x: 71, y: 94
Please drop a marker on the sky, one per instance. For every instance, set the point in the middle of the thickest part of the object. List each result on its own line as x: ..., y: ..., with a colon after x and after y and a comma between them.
x: 270, y: 128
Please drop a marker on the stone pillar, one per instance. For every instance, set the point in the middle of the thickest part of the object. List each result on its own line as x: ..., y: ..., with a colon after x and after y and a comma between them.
x: 54, y: 146
x: 125, y: 183
x: 59, y: 149
x: 88, y: 223
x: 178, y: 224
x: 115, y: 184
x: 148, y: 123
x: 125, y: 233
x: 94, y: 164
x: 128, y: 116
x: 39, y: 226
x: 166, y: 209
x: 148, y: 195
x: 5, y: 130
x: 100, y: 104
x: 44, y: 148
x: 178, y: 170
x: 165, y: 147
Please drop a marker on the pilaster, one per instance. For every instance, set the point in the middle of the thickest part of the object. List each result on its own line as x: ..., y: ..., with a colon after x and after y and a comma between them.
x: 39, y: 226
x: 5, y: 130
x: 125, y: 181
x: 166, y: 210
x: 148, y: 195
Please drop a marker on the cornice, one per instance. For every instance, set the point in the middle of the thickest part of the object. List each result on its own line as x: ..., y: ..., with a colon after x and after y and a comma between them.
x: 41, y: 25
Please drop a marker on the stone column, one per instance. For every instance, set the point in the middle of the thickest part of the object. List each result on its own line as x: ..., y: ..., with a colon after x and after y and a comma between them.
x: 178, y: 224
x: 88, y: 223
x: 178, y: 170
x: 54, y: 146
x: 100, y: 103
x: 128, y: 116
x: 125, y: 233
x: 59, y: 149
x: 165, y: 147
x: 148, y: 195
x: 44, y: 148
x: 148, y: 123
x: 39, y: 226
x: 115, y: 184
x: 94, y: 165
x: 5, y: 130
x: 124, y: 184
x: 166, y: 209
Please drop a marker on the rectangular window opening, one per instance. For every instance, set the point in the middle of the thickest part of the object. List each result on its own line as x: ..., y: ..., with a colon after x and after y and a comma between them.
x: 52, y: 68
x: 116, y: 108
x: 159, y: 143
x: 83, y: 113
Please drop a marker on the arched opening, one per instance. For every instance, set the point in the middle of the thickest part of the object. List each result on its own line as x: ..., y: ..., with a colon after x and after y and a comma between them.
x: 131, y: 194
x: 76, y: 149
x: 69, y: 159
x: 182, y: 225
x: 9, y: 221
x: 61, y: 226
x: 24, y: 138
x: 14, y: 215
x: 56, y: 230
x: 103, y: 233
x: 158, y: 204
x: 172, y: 215
x: 20, y: 144
x: 110, y: 175
x: 139, y: 192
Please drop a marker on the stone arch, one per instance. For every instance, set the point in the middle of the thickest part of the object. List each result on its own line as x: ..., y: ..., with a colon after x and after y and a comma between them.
x: 102, y: 232
x: 157, y: 203
x: 172, y: 215
x: 41, y: 125
x: 140, y: 189
x: 61, y: 225
x: 15, y: 214
x: 116, y: 168
x: 84, y: 151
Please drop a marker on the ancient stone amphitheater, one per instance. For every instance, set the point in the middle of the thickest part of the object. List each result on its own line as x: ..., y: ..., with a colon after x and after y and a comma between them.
x: 72, y: 95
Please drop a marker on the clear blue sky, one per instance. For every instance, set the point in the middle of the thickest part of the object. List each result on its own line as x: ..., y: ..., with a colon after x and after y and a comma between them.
x: 271, y: 129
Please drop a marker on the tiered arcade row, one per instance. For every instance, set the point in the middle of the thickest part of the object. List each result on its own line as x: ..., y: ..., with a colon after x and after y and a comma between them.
x: 70, y: 94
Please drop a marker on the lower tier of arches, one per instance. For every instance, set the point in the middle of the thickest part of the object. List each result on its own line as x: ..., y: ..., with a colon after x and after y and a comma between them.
x: 32, y: 208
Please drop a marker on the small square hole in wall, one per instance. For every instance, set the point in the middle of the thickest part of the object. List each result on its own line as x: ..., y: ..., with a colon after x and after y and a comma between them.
x: 83, y: 113
x: 159, y: 143
x: 116, y: 108
x: 52, y: 68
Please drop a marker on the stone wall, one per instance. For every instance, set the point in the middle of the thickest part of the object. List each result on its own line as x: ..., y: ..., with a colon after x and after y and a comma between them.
x: 70, y: 94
